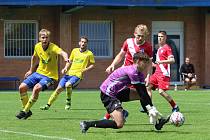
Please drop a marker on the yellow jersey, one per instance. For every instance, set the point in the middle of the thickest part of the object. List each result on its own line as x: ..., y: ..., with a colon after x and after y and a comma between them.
x: 80, y: 61
x: 48, y: 60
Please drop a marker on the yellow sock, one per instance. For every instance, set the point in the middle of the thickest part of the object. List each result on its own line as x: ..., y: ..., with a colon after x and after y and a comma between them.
x: 53, y: 97
x: 24, y: 99
x: 29, y: 105
x: 68, y: 93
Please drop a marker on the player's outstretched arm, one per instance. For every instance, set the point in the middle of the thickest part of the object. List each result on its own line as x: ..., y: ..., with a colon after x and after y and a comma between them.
x: 115, y: 62
x: 64, y: 55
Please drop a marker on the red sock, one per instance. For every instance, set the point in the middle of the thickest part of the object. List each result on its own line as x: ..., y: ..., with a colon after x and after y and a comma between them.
x: 107, y: 116
x: 172, y: 103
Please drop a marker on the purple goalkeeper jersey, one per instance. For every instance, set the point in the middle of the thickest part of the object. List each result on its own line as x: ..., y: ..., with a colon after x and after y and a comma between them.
x: 120, y: 79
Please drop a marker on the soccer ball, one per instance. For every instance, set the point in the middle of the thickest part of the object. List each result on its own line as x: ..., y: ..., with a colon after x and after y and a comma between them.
x: 177, y: 119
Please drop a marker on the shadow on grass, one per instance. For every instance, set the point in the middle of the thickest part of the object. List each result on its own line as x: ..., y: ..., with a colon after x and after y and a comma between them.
x: 64, y: 118
x: 73, y: 109
x: 136, y: 124
x: 145, y: 131
x: 88, y: 109
x: 152, y: 131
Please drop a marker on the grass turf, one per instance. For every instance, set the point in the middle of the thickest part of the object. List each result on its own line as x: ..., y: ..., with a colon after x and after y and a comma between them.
x: 60, y: 124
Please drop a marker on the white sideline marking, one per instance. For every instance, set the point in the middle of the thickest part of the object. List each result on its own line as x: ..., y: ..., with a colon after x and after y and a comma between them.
x: 34, y: 135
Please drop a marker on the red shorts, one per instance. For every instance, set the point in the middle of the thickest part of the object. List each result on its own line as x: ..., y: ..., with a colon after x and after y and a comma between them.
x: 160, y: 81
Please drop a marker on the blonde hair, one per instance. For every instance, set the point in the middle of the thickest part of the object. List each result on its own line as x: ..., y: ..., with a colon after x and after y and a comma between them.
x: 44, y: 31
x: 141, y: 28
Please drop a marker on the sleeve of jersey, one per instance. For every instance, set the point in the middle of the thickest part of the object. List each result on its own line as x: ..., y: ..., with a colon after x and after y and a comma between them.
x: 72, y: 55
x: 124, y: 47
x: 150, y: 53
x: 169, y: 51
x: 92, y: 60
x: 193, y: 69
x: 56, y: 49
x: 181, y: 69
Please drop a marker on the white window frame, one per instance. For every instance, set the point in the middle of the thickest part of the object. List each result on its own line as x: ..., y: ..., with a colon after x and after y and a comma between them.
x: 110, y: 49
x: 20, y: 21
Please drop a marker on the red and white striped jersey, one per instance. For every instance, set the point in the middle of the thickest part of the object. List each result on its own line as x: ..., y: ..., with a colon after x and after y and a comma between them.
x: 130, y: 48
x: 163, y: 53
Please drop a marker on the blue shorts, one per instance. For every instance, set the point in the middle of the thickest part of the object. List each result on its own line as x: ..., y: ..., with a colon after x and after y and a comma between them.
x: 35, y: 78
x: 74, y: 81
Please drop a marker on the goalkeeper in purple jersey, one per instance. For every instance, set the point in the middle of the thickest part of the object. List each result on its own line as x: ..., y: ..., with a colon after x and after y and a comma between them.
x: 116, y: 89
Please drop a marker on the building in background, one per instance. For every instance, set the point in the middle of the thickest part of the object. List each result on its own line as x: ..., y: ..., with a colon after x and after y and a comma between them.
x: 107, y: 24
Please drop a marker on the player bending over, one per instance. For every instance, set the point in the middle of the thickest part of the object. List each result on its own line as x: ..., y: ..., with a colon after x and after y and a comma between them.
x: 115, y: 90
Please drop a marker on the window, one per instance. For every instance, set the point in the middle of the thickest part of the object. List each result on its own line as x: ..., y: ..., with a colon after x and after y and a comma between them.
x: 99, y: 34
x: 20, y: 36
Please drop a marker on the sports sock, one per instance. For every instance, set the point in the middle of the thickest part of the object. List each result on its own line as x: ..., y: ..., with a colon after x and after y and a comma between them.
x: 143, y: 106
x: 29, y: 105
x: 68, y: 93
x: 172, y: 103
x: 52, y: 98
x: 103, y: 124
x: 107, y: 116
x: 24, y: 99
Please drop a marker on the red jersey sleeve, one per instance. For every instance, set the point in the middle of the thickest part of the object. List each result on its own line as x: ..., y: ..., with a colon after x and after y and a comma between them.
x: 148, y: 49
x: 168, y: 51
x: 125, y: 46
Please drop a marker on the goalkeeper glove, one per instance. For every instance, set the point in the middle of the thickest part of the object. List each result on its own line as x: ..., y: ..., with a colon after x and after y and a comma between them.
x: 154, y: 114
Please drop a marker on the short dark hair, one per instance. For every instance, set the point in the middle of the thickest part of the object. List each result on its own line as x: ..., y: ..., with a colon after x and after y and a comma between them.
x: 140, y: 56
x: 163, y: 32
x: 84, y: 37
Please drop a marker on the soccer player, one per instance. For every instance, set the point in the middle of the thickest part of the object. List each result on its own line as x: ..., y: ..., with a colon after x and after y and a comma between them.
x: 81, y: 61
x: 116, y: 89
x: 161, y: 78
x: 42, y: 73
x: 129, y: 48
x: 132, y: 46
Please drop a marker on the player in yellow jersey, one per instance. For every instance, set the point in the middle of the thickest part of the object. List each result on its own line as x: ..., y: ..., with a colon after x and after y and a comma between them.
x: 42, y: 73
x: 81, y: 60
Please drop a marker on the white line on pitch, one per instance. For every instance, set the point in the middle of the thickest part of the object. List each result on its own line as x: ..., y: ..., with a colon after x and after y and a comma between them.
x: 34, y: 135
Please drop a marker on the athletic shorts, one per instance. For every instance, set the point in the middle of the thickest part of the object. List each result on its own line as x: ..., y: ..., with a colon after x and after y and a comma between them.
x: 74, y: 81
x: 35, y: 78
x: 111, y: 103
x: 160, y: 81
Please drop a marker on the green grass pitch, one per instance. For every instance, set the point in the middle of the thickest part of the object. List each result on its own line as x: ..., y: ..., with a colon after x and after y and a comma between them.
x: 60, y: 124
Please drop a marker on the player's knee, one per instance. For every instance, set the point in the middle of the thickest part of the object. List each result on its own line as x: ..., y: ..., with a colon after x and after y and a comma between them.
x: 193, y: 81
x: 68, y: 85
x: 37, y: 88
x: 120, y: 124
x: 22, y: 88
x: 187, y: 80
